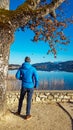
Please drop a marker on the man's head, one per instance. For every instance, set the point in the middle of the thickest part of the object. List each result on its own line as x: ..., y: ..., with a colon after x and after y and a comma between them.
x: 27, y: 59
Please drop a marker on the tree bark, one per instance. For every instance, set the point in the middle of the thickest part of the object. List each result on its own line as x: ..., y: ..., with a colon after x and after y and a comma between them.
x: 4, y: 57
x: 4, y: 4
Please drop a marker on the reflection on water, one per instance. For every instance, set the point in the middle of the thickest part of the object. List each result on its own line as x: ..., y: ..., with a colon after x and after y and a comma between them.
x: 56, y: 80
x: 49, y: 80
x: 52, y: 85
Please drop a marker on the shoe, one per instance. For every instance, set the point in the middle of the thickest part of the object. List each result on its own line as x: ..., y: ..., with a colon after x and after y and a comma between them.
x: 27, y: 117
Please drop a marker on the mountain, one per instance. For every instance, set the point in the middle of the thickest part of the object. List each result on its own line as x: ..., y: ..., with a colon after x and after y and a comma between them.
x: 49, y: 66
x: 55, y: 66
x: 13, y: 66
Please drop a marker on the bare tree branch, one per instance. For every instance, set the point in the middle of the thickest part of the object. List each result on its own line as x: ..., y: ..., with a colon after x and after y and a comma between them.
x: 20, y: 17
x: 50, y: 7
x: 24, y: 13
x: 33, y: 3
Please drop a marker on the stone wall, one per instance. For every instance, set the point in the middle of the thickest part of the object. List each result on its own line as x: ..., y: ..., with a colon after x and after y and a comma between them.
x: 42, y: 96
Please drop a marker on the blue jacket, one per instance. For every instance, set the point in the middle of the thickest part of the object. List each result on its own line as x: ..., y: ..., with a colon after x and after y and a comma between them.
x: 28, y: 75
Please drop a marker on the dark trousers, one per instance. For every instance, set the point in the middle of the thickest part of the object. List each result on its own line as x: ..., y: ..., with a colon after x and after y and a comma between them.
x: 29, y: 92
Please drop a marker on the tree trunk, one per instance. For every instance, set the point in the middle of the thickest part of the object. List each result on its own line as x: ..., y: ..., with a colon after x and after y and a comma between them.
x: 4, y: 4
x: 4, y: 57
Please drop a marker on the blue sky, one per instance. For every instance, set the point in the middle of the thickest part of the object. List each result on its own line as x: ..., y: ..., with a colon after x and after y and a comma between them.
x: 23, y: 46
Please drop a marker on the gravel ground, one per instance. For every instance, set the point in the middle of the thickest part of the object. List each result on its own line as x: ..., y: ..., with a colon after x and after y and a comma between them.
x: 45, y: 116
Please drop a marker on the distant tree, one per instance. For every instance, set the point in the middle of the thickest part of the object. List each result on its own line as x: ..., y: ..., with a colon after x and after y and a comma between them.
x: 42, y: 18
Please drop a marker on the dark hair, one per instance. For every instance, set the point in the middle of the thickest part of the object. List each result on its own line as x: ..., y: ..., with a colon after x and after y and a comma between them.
x: 27, y: 59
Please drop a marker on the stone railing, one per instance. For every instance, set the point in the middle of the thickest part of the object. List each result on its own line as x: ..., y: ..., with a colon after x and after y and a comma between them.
x: 41, y: 96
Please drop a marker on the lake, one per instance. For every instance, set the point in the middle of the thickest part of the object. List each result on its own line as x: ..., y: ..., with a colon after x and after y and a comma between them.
x: 54, y: 80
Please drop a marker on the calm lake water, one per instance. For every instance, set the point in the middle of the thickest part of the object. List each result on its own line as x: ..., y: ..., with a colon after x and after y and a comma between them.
x: 54, y: 80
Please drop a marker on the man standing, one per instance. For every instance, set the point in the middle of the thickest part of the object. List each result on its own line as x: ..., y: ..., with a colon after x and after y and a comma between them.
x: 29, y: 77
